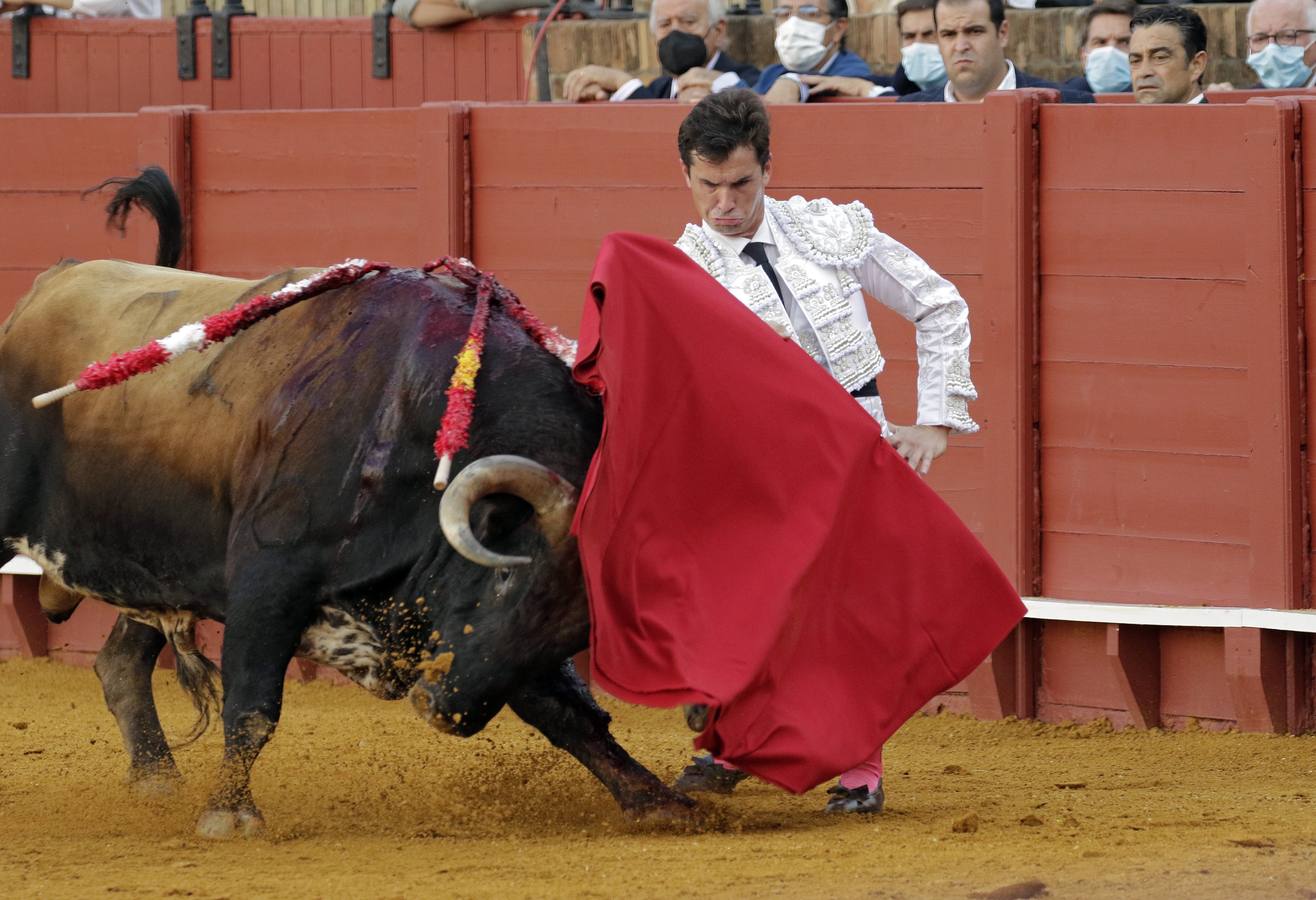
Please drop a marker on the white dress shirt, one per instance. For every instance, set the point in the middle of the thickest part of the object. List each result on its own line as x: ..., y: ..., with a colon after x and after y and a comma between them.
x: 1008, y: 83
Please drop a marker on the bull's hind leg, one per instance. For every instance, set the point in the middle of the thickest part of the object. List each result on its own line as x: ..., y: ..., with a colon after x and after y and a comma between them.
x: 260, y: 637
x: 124, y: 667
x: 560, y: 706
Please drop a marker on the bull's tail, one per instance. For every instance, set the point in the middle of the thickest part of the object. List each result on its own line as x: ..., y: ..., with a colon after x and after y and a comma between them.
x: 153, y: 192
x: 197, y: 675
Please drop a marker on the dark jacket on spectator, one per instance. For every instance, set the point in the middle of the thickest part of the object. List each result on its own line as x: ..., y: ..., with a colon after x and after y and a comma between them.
x: 1021, y: 80
x: 1080, y: 84
x: 661, y: 87
x: 898, y: 81
x: 849, y: 64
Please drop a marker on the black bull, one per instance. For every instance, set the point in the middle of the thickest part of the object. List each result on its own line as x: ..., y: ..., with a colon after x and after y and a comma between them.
x: 281, y: 483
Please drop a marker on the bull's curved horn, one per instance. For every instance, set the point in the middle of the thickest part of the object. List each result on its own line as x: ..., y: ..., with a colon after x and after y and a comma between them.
x: 552, y: 496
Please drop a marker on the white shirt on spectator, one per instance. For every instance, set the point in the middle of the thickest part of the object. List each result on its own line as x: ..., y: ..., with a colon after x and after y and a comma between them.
x: 724, y: 81
x: 110, y: 9
x: 1008, y: 83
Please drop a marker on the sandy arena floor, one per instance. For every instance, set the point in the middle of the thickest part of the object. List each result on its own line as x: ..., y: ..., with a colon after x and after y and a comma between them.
x: 362, y: 800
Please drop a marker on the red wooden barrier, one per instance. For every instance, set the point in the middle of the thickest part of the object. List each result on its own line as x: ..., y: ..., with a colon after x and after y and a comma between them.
x: 1135, y: 325
x: 121, y: 65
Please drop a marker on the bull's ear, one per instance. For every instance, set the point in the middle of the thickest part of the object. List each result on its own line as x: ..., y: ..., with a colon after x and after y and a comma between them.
x: 499, y: 522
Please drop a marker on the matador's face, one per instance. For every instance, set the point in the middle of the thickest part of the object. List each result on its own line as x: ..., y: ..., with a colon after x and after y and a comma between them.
x: 728, y: 195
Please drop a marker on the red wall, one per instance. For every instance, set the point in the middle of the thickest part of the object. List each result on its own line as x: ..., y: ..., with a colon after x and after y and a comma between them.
x: 1133, y: 276
x: 121, y: 65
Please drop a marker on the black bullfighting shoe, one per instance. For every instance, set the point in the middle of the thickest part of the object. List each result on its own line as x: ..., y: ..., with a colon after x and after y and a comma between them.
x: 856, y: 800
x: 707, y: 775
x: 696, y: 716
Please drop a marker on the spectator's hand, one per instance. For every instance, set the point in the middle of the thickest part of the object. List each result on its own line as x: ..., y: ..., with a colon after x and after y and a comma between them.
x: 919, y: 444
x: 838, y: 85
x: 697, y: 77
x: 593, y: 83
x: 783, y: 90
x: 1220, y: 86
x: 693, y: 94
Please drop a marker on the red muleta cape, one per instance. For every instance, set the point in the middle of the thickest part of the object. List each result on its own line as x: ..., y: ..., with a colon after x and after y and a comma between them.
x: 749, y: 539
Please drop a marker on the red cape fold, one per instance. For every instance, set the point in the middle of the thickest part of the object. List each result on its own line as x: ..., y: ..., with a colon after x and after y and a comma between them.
x: 749, y: 539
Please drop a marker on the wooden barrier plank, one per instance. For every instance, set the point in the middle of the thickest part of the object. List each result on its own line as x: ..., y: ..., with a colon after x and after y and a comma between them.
x: 1141, y: 570
x: 468, y: 50
x: 1274, y: 380
x: 134, y: 72
x: 71, y: 72
x: 1074, y: 160
x: 103, y: 54
x: 285, y: 71
x: 1096, y: 232
x: 247, y: 233
x: 27, y: 143
x: 200, y: 90
x: 44, y: 229
x: 1090, y: 686
x: 1155, y: 321
x: 1193, y: 683
x: 377, y: 92
x: 255, y: 78
x: 444, y: 225
x: 502, y: 66
x: 408, y: 79
x: 347, y: 69
x: 226, y: 93
x: 270, y: 151
x: 1146, y: 495
x: 166, y: 88
x: 1139, y: 407
x: 317, y: 72
x: 440, y: 51
x: 15, y: 282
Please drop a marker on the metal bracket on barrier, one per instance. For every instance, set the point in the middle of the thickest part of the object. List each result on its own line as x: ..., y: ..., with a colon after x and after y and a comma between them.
x: 187, y: 38
x: 221, y: 44
x: 381, y: 50
x: 22, y: 26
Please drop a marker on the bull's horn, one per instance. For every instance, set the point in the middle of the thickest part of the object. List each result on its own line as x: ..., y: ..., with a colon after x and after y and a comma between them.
x: 552, y: 496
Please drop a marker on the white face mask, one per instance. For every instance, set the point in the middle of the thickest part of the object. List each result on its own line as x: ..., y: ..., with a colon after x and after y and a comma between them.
x: 800, y: 44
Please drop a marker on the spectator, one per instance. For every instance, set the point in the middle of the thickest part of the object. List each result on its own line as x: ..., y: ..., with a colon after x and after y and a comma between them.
x: 437, y: 13
x: 1278, y: 35
x: 1167, y: 55
x: 918, y: 55
x: 690, y: 34
x: 972, y: 36
x: 92, y: 9
x: 1105, y: 49
x: 810, y: 41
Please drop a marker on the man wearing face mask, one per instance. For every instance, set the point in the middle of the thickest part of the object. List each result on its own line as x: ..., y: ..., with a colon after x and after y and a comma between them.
x: 1278, y: 35
x: 920, y: 69
x: 1105, y: 49
x: 810, y: 40
x: 690, y: 34
x: 972, y: 36
x: 1167, y: 55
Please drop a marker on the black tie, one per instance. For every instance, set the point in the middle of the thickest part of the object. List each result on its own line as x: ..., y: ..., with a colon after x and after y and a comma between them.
x: 758, y: 251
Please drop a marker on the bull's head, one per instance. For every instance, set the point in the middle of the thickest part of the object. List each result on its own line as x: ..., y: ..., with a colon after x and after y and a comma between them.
x: 523, y: 613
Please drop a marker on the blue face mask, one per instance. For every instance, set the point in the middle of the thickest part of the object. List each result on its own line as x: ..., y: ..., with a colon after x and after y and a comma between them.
x: 1280, y: 67
x: 923, y: 65
x: 1107, y: 70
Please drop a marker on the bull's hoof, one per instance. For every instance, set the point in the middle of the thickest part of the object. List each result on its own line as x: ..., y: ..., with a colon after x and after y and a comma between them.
x: 666, y: 810
x: 154, y: 783
x: 225, y: 824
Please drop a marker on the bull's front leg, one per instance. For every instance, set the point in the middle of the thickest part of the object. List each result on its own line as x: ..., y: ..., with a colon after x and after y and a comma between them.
x: 561, y: 707
x: 260, y: 638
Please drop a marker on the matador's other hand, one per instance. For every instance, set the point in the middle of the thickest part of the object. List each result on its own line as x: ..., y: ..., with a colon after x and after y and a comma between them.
x: 919, y: 444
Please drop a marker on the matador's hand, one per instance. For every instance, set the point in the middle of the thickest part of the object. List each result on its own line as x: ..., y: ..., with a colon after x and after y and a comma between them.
x: 919, y: 444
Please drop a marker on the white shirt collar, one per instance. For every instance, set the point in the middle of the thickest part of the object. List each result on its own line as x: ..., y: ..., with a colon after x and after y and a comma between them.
x: 1200, y: 98
x: 736, y: 245
x: 1008, y: 83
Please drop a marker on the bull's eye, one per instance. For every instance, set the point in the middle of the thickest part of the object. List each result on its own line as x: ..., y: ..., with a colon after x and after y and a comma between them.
x: 504, y: 576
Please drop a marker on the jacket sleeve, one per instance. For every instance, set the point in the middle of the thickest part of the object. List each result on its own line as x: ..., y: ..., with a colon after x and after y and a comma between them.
x: 899, y: 279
